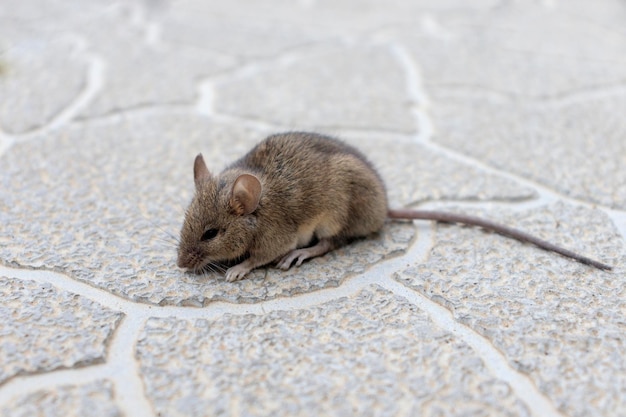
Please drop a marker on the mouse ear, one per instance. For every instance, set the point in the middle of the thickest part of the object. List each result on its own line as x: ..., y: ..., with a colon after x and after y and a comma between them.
x: 246, y: 194
x: 200, y: 171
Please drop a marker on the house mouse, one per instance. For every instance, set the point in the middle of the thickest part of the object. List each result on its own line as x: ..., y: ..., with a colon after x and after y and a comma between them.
x: 296, y: 196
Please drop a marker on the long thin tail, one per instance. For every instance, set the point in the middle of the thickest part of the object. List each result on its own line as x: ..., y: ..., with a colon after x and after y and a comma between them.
x: 494, y: 227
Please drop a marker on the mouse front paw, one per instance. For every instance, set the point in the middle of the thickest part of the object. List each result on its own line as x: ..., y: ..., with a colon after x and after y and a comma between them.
x: 236, y: 273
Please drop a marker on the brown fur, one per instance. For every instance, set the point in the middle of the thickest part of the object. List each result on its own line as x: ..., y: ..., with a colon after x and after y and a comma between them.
x: 312, y: 188
x: 292, y: 190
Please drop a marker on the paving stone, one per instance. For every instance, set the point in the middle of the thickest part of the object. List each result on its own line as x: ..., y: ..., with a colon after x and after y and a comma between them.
x: 354, y: 87
x: 39, y: 77
x: 253, y: 29
x: 414, y: 173
x: 145, y: 223
x: 136, y: 72
x: 520, y: 48
x: 93, y: 399
x: 207, y: 27
x: 609, y: 16
x: 51, y: 15
x: 43, y: 329
x: 372, y: 16
x: 560, y: 322
x: 129, y: 196
x: 102, y: 199
x: 370, y: 354
x: 135, y: 196
x: 556, y: 144
x: 145, y: 73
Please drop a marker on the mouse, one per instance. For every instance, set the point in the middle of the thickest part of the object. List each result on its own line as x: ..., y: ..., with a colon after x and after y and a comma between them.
x: 296, y: 196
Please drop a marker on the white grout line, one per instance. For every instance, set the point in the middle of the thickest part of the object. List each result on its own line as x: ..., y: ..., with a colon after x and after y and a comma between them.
x: 205, y: 101
x: 494, y: 360
x: 6, y: 142
x: 26, y: 384
x: 214, y: 310
x: 94, y: 83
x: 417, y: 92
x: 64, y: 283
x: 619, y: 220
x: 545, y: 194
x: 121, y: 366
x: 124, y: 370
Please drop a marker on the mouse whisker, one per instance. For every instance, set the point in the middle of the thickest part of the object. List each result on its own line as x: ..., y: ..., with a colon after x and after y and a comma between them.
x: 167, y: 242
x: 174, y: 239
x: 295, y: 182
x: 214, y: 267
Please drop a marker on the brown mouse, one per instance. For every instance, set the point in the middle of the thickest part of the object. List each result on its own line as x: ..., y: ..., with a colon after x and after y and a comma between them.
x: 296, y: 196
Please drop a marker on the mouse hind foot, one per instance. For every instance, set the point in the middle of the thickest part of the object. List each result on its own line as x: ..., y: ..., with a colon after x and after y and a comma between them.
x: 300, y: 255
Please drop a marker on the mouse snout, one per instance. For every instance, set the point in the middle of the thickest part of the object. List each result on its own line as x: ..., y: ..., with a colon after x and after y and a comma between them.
x: 180, y: 262
x: 189, y: 259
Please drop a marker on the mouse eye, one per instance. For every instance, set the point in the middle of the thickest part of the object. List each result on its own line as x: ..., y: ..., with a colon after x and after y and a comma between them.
x: 209, y: 234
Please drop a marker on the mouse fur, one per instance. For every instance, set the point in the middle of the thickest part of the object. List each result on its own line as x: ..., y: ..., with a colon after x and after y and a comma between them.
x: 290, y: 191
x: 295, y: 196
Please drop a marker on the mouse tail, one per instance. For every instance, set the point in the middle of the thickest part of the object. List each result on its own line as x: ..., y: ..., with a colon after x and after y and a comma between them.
x: 444, y: 217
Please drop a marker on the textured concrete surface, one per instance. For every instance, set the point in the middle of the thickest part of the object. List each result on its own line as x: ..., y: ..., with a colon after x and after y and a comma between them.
x: 93, y: 399
x: 535, y: 140
x: 45, y: 75
x: 509, y: 110
x: 45, y: 329
x: 554, y: 323
x: 295, y: 362
x: 328, y: 94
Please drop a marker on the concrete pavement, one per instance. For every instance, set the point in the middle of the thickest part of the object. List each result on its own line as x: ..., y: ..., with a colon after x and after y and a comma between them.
x: 510, y: 110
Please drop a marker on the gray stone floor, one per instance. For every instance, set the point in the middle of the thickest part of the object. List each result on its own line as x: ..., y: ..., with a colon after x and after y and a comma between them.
x: 513, y: 110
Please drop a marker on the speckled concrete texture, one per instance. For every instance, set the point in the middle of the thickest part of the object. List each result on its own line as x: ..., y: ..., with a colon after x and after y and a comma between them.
x: 499, y: 51
x: 46, y: 329
x: 554, y: 323
x: 38, y: 79
x: 144, y: 214
x: 535, y: 140
x: 509, y: 110
x: 144, y: 201
x: 328, y: 92
x: 415, y: 173
x: 352, y: 361
x: 95, y: 399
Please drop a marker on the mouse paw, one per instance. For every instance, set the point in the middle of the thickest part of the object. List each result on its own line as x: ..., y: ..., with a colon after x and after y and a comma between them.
x: 236, y: 273
x: 298, y: 255
x: 301, y: 255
